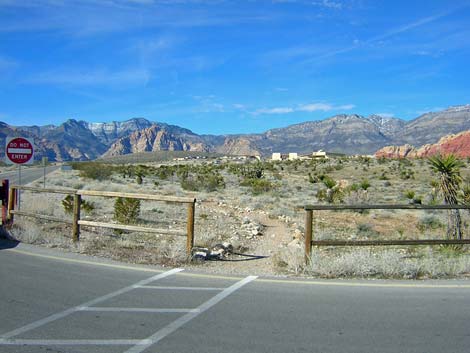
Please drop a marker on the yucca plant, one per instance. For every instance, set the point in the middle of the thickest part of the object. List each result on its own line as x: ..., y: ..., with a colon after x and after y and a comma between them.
x: 447, y: 169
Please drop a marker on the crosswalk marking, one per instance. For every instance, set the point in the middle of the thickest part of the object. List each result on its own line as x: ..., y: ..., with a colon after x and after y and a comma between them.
x: 137, y: 345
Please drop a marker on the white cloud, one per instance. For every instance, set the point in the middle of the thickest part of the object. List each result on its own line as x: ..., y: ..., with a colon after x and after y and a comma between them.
x: 385, y: 115
x: 315, y: 107
x: 325, y: 107
x: 329, y: 4
x: 91, y: 77
x: 281, y: 110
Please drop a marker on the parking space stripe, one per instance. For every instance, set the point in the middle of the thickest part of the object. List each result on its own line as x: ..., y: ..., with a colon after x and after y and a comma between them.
x: 103, y: 298
x: 140, y: 310
x: 175, y: 325
x: 39, y: 342
x: 184, y: 288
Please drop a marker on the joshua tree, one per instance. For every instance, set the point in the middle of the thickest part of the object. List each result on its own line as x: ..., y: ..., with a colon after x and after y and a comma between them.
x: 447, y: 169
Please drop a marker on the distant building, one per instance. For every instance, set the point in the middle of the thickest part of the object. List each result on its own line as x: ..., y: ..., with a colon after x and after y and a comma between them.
x: 293, y: 156
x: 319, y: 155
x: 276, y: 157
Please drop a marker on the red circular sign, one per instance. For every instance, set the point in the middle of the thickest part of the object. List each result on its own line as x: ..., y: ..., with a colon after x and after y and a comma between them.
x: 19, y: 150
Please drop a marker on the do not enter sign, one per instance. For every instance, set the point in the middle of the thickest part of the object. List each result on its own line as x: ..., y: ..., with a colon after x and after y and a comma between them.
x: 19, y: 150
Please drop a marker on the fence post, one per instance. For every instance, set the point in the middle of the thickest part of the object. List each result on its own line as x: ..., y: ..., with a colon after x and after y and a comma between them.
x: 11, y: 204
x: 77, y: 200
x: 5, y: 190
x: 308, y: 235
x: 190, y: 228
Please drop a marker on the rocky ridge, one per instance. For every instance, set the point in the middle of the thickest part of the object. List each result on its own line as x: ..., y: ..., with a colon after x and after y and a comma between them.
x: 457, y: 144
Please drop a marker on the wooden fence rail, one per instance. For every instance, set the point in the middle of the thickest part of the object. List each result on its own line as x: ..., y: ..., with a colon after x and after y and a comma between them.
x: 309, y: 242
x: 76, y: 222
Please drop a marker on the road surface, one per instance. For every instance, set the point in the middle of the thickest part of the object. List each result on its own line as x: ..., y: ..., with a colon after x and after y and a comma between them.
x: 69, y: 303
x: 28, y: 174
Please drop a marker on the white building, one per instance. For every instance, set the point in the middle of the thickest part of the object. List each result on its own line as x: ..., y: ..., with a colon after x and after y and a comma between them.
x: 319, y: 155
x: 293, y: 156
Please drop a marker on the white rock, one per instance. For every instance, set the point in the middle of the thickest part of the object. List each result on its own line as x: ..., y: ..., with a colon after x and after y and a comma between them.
x: 294, y: 244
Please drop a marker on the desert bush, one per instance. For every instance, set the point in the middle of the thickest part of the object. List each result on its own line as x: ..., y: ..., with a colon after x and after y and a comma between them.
x: 429, y: 222
x: 377, y: 263
x: 365, y: 184
x: 333, y: 192
x: 164, y: 172
x: 67, y: 204
x: 259, y: 186
x: 409, y: 195
x: 93, y: 170
x: 202, y: 181
x: 126, y: 210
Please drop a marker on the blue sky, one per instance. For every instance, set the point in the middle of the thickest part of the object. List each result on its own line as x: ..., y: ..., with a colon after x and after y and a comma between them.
x: 217, y: 66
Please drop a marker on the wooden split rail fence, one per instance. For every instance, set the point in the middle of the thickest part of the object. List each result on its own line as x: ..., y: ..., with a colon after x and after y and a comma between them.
x: 309, y: 239
x: 76, y: 222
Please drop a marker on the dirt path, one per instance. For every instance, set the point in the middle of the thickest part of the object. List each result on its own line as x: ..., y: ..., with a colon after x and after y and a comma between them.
x: 256, y: 256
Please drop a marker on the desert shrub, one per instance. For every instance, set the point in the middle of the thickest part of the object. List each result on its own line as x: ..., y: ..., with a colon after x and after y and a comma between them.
x: 67, y: 204
x: 354, y: 187
x: 259, y: 186
x: 126, y: 210
x: 365, y: 184
x: 93, y: 170
x: 429, y: 222
x: 252, y: 171
x: 406, y: 174
x: 164, y: 172
x: 312, y: 179
x: 202, y: 181
x: 383, y: 176
x: 333, y: 192
x: 366, y: 229
x: 409, y: 194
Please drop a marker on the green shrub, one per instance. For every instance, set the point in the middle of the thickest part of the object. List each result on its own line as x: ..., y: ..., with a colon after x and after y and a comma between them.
x: 365, y: 184
x: 202, y: 181
x: 126, y: 210
x: 429, y: 222
x: 93, y: 170
x: 259, y: 186
x: 67, y: 203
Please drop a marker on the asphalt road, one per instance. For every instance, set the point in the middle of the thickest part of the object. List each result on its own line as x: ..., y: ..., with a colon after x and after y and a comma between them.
x: 56, y: 303
x: 28, y: 174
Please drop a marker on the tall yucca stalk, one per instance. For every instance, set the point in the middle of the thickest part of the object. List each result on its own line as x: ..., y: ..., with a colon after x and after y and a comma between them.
x: 447, y: 169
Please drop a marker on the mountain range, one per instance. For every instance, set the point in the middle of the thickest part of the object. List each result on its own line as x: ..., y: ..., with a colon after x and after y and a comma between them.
x: 350, y: 134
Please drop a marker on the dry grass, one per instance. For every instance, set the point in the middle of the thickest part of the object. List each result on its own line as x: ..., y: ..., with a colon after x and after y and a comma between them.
x: 389, y: 182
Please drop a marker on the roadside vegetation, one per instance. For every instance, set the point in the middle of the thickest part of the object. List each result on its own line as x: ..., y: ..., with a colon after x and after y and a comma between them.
x: 230, y: 191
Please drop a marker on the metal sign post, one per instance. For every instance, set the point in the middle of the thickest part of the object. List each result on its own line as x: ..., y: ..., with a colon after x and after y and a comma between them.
x: 44, y: 164
x: 19, y: 183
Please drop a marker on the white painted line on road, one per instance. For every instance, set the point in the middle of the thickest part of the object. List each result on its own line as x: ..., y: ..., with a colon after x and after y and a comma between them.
x: 175, y: 325
x: 183, y: 288
x: 103, y: 298
x: 38, y: 342
x: 140, y: 310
